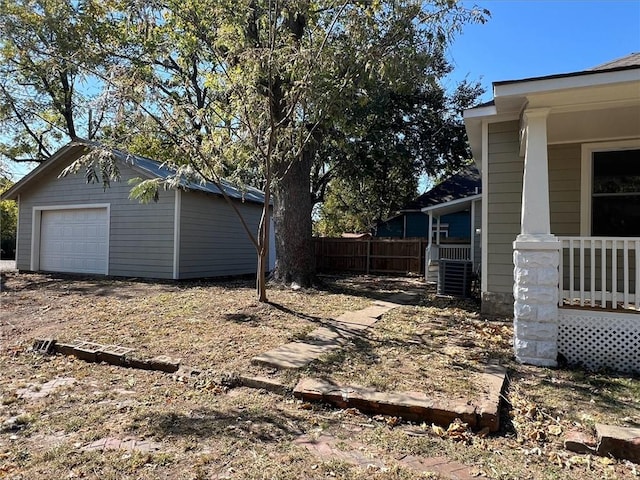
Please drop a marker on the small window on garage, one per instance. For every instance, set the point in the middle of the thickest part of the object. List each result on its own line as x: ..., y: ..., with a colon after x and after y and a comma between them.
x: 615, y: 199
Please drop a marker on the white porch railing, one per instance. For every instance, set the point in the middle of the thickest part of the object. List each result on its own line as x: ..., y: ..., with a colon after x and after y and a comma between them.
x: 454, y: 252
x: 435, y: 253
x: 600, y: 271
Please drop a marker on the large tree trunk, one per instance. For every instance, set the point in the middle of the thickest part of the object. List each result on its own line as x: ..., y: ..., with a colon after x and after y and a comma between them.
x: 292, y: 218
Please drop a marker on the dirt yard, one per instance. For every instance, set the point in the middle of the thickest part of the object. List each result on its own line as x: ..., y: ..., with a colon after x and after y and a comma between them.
x: 203, y: 426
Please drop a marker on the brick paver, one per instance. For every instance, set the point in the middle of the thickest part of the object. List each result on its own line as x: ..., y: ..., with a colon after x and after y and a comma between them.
x: 325, y: 447
x: 620, y: 442
x: 34, y: 392
x: 477, y: 413
x: 129, y: 443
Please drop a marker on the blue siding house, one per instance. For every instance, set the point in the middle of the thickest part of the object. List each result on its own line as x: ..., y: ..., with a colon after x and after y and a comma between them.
x: 413, y: 221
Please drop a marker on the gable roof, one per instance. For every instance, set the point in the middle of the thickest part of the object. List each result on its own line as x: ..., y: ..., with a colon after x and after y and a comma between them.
x: 463, y: 184
x: 145, y: 166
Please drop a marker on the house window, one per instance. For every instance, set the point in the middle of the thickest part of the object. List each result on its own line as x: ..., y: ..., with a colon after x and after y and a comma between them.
x: 444, y: 231
x: 615, y: 202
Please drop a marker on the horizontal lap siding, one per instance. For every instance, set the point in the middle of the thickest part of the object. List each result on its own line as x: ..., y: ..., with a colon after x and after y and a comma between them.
x: 140, y: 236
x: 503, y: 200
x: 212, y: 240
x: 564, y: 189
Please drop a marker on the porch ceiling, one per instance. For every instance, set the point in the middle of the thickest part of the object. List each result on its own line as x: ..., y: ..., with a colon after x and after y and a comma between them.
x: 593, y: 125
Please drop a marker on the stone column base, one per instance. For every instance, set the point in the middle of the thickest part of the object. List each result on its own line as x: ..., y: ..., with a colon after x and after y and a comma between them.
x: 535, y: 293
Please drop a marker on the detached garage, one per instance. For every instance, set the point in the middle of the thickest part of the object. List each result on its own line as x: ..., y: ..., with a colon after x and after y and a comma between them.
x: 68, y: 225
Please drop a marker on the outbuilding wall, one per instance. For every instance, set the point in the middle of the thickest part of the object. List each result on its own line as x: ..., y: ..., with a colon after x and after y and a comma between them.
x: 131, y: 253
x: 212, y: 239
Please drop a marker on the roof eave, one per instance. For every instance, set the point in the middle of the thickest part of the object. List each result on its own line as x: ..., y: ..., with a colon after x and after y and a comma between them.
x: 459, y: 202
x: 12, y: 193
x: 513, y: 89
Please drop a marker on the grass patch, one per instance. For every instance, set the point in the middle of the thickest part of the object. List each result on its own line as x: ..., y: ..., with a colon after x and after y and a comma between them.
x: 209, y: 428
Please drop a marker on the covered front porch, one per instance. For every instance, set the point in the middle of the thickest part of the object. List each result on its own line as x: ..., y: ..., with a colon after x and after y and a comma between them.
x: 575, y: 296
x: 599, y: 305
x: 560, y: 158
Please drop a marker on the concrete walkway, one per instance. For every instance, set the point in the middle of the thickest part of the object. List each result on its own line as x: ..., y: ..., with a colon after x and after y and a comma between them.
x: 333, y: 335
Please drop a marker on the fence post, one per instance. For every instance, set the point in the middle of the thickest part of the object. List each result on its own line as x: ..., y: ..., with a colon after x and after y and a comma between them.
x: 368, y: 255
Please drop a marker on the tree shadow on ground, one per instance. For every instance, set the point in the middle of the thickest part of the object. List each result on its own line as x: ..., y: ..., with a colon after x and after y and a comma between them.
x: 269, y: 426
x: 100, y: 285
x: 371, y: 287
x: 576, y: 389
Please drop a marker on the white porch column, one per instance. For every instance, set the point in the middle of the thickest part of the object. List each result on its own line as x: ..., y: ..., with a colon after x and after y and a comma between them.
x: 536, y: 254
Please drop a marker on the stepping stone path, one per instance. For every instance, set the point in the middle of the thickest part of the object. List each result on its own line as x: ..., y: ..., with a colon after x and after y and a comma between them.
x: 334, y: 335
x: 480, y: 413
x: 325, y: 447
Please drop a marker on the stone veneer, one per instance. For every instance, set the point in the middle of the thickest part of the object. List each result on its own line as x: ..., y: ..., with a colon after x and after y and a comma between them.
x: 536, y: 302
x: 497, y: 304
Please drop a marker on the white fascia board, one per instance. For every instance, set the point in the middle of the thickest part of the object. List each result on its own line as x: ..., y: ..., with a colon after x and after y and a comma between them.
x: 476, y: 112
x: 589, y: 79
x: 460, y: 202
x: 477, y: 119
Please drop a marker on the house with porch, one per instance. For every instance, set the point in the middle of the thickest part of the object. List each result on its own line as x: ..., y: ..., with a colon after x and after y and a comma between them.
x: 458, y: 197
x: 420, y: 216
x: 559, y: 157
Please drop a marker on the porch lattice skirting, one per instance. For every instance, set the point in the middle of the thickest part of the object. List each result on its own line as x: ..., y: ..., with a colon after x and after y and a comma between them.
x: 600, y: 340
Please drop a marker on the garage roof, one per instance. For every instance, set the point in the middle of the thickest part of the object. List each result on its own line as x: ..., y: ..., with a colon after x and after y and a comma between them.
x: 146, y: 166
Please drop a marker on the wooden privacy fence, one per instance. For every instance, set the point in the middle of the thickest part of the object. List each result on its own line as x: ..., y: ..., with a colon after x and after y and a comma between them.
x: 370, y: 255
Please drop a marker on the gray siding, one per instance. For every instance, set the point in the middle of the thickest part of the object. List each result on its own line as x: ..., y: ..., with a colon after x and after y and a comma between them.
x: 503, y: 201
x: 140, y: 237
x: 564, y: 189
x: 212, y: 239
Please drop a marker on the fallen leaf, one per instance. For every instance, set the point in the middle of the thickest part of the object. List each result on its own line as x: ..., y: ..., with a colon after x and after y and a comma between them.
x: 555, y: 429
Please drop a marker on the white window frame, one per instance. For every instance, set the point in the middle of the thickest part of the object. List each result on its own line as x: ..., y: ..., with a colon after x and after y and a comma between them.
x: 586, y: 175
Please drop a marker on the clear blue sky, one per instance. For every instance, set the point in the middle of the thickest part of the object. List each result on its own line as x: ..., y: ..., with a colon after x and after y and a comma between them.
x: 529, y: 38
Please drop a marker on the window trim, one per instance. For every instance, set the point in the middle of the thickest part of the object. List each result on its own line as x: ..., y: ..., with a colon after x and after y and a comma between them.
x: 586, y: 175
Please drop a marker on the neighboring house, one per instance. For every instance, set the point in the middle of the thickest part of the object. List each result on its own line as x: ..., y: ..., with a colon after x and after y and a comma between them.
x: 68, y: 225
x: 451, y: 211
x: 560, y: 163
x: 454, y: 225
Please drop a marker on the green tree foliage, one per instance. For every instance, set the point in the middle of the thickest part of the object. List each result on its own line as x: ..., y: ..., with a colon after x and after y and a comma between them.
x: 8, y: 221
x: 248, y: 89
x: 47, y: 50
x: 390, y: 138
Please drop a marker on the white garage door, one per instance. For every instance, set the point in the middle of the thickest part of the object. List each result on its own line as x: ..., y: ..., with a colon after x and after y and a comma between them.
x: 74, y: 240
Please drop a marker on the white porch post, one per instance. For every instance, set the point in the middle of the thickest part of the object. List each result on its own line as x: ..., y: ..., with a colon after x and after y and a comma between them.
x: 536, y: 254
